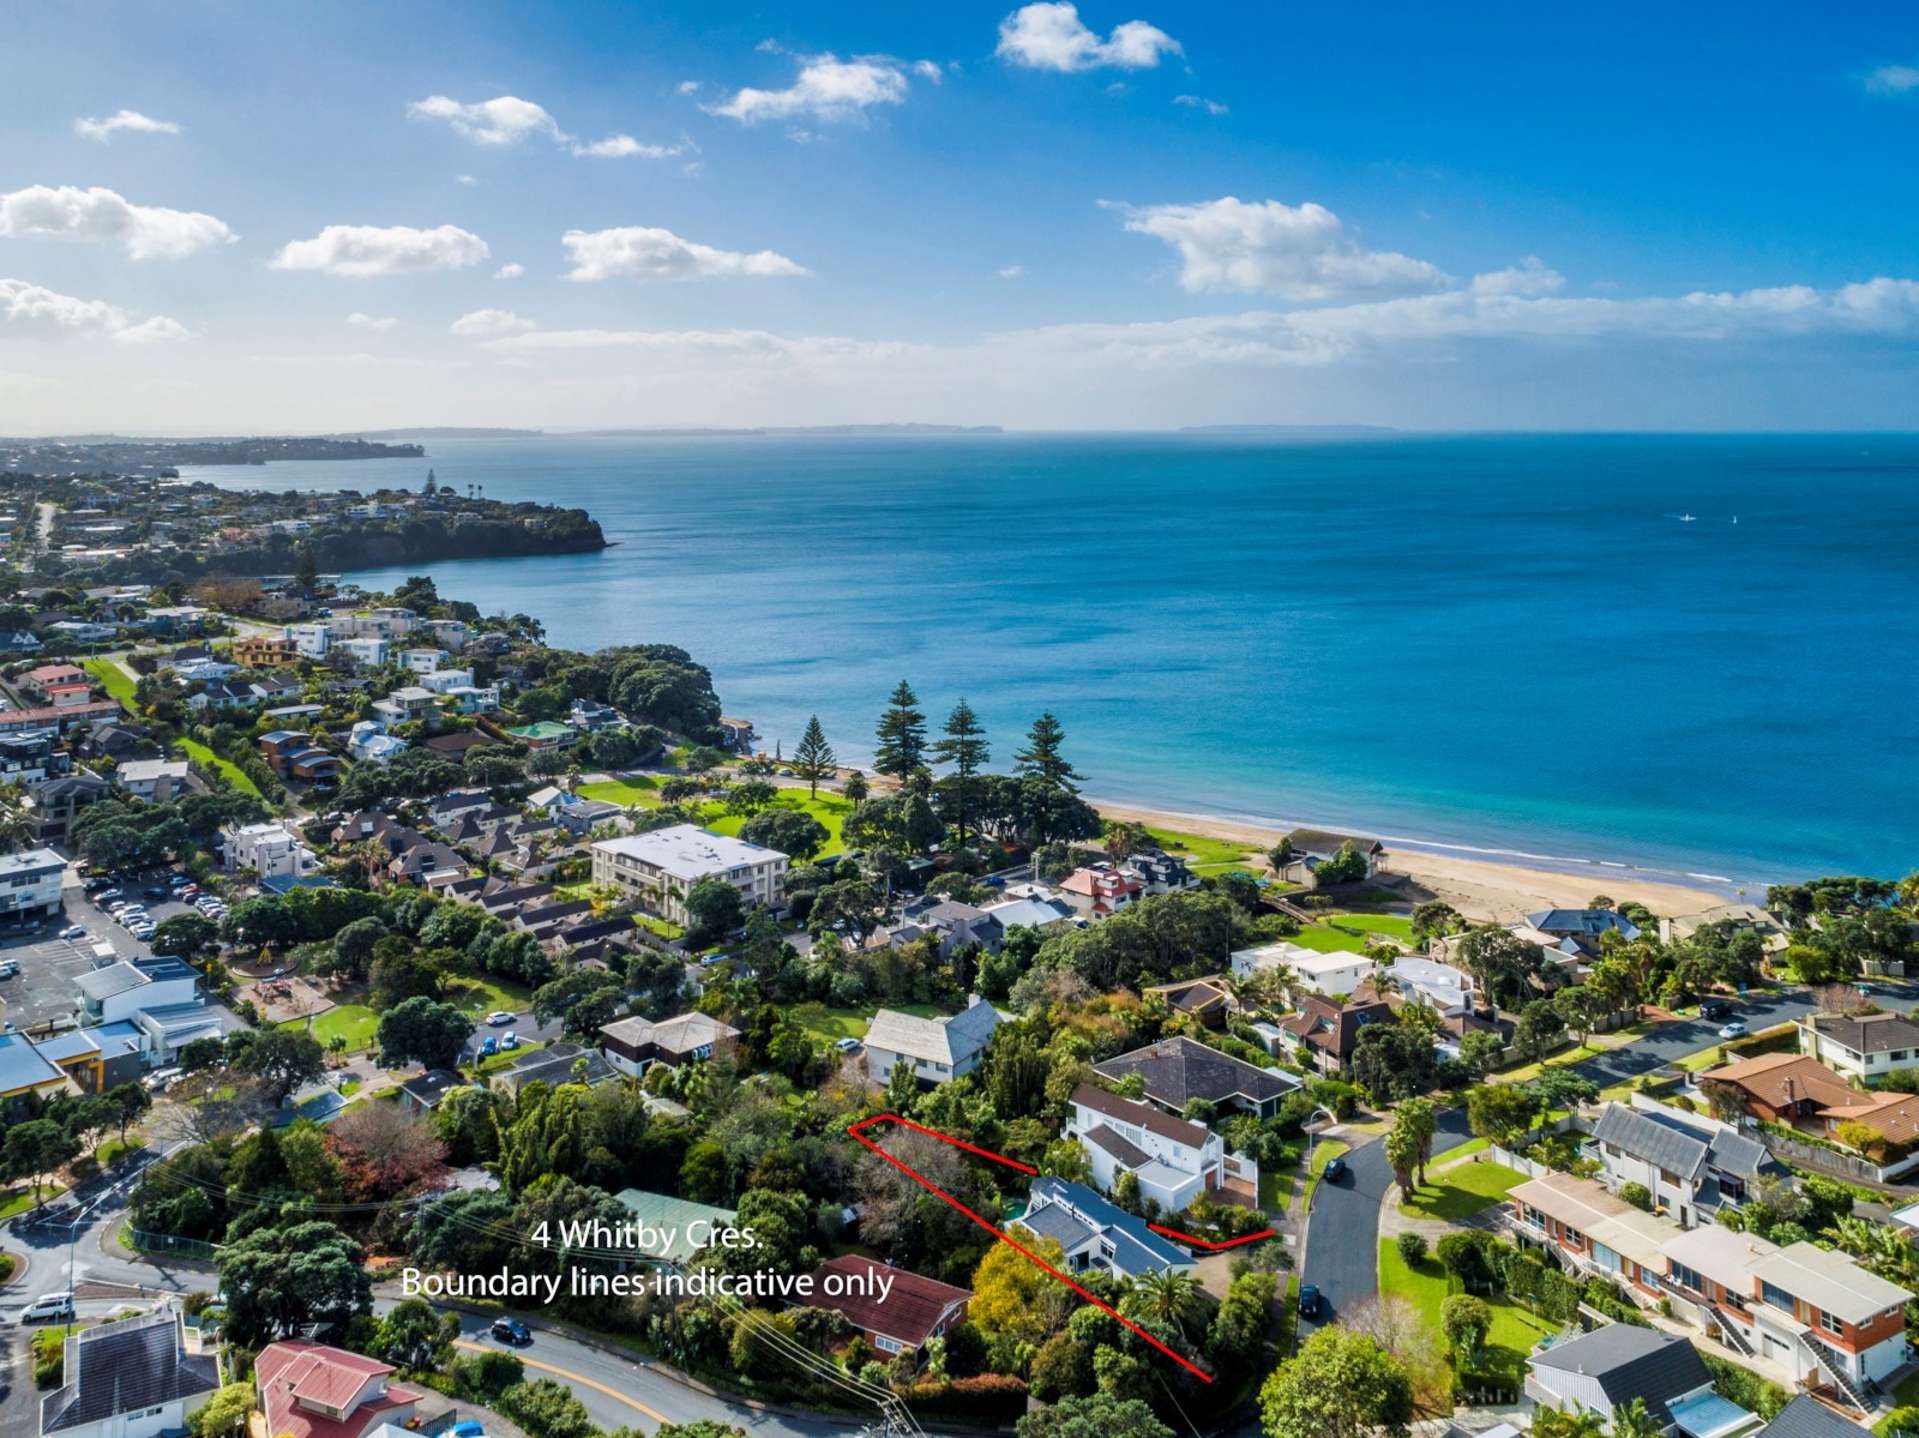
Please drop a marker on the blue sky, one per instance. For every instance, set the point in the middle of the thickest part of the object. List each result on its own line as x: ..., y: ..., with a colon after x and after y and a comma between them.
x: 1110, y: 216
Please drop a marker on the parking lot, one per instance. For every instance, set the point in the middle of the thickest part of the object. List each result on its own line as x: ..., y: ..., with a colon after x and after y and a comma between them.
x: 43, y: 989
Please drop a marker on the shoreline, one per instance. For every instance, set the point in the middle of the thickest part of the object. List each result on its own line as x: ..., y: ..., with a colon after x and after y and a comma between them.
x: 1480, y: 884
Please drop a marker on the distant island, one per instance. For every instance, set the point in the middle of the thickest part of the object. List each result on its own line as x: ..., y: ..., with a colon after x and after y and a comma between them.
x: 445, y: 431
x: 112, y: 454
x: 1295, y: 430
x: 787, y: 430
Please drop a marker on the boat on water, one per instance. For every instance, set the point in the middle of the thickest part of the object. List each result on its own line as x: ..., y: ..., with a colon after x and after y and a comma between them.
x: 1687, y: 518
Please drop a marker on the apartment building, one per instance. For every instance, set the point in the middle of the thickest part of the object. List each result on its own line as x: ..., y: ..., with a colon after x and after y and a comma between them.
x: 659, y: 869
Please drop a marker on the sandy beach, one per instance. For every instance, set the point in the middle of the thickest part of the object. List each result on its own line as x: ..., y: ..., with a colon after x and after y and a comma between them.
x: 1485, y: 889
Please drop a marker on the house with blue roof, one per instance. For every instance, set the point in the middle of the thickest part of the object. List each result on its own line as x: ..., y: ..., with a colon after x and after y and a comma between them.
x: 1094, y: 1233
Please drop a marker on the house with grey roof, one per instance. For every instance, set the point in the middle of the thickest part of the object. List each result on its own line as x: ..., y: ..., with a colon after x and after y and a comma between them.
x: 634, y: 1045
x: 1583, y: 929
x: 1603, y: 1371
x: 131, y: 1379
x: 1093, y: 1233
x: 1861, y: 1046
x: 1173, y: 1160
x: 1807, y: 1417
x: 1690, y: 1167
x: 937, y: 1050
x: 1177, y: 1071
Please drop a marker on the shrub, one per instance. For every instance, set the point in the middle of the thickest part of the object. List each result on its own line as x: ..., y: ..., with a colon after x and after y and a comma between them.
x: 545, y: 1409
x: 1412, y: 1248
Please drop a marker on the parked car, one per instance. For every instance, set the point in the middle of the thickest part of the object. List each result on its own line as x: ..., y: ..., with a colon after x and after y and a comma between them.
x: 467, y: 1428
x: 9, y: 970
x: 48, y: 1305
x: 846, y: 1046
x: 509, y: 1040
x: 180, y: 881
x: 489, y: 1046
x: 1334, y: 1171
x: 1714, y: 1009
x: 106, y: 896
x: 1308, y: 1300
x: 1733, y: 1030
x: 73, y: 931
x: 511, y: 1330
x: 499, y: 1017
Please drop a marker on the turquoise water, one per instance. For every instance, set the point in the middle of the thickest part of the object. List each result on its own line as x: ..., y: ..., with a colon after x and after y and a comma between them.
x: 1508, y: 642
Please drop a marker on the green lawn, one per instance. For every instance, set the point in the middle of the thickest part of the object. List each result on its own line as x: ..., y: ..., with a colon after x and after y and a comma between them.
x: 642, y: 792
x: 1326, y: 941
x: 481, y: 994
x: 1514, y: 1331
x: 19, y: 1200
x: 112, y: 678
x: 1388, y: 926
x: 830, y: 809
x: 226, y: 768
x: 1460, y: 1192
x: 113, y: 1150
x: 353, y: 1022
x: 1205, y: 856
x: 823, y: 1022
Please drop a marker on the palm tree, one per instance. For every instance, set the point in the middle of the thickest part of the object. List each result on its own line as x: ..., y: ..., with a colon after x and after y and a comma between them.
x: 1633, y: 1421
x: 1172, y: 1297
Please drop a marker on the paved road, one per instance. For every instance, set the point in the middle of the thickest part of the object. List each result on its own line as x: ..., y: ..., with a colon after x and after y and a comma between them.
x: 1342, y: 1249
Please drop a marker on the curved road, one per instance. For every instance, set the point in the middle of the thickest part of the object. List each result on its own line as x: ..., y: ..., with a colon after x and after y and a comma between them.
x: 1342, y: 1244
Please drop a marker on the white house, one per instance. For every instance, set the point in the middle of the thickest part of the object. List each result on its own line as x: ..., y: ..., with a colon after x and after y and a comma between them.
x: 1281, y: 955
x: 131, y: 1379
x: 30, y: 884
x: 270, y: 850
x: 1174, y: 1160
x: 660, y: 868
x: 1441, y: 987
x: 440, y: 681
x: 309, y: 640
x: 154, y: 779
x: 121, y: 992
x: 939, y: 1050
x: 369, y: 743
x: 1861, y: 1045
x: 372, y: 650
x: 424, y: 661
x: 1093, y: 1233
x: 1338, y: 972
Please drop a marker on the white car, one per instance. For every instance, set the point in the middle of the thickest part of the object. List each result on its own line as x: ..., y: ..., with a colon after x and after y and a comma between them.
x: 499, y: 1017
x: 73, y: 931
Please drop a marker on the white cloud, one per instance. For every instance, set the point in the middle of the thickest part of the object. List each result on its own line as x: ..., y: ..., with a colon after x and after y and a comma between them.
x: 503, y: 120
x: 99, y: 216
x: 1893, y: 80
x: 359, y: 251
x: 620, y: 147
x: 1013, y: 272
x: 33, y: 310
x: 689, y: 87
x: 1053, y: 37
x: 928, y: 71
x: 466, y: 179
x: 827, y: 88
x: 511, y: 271
x: 1298, y: 252
x: 488, y: 324
x: 646, y: 253
x: 1531, y: 276
x: 1200, y: 102
x: 371, y: 322
x: 131, y: 121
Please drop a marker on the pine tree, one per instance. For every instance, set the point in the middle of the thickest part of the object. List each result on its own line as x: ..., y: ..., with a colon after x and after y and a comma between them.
x: 431, y: 483
x: 813, y: 760
x: 964, y: 747
x: 1041, y: 758
x: 901, y: 734
x: 306, y: 570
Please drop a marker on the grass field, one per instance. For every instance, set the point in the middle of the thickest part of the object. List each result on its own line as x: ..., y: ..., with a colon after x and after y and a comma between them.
x: 1514, y: 1331
x: 823, y: 1022
x: 642, y: 791
x: 481, y: 994
x: 830, y: 809
x: 112, y: 678
x: 20, y: 1199
x: 1463, y: 1191
x: 1387, y: 926
x: 226, y: 768
x: 353, y: 1022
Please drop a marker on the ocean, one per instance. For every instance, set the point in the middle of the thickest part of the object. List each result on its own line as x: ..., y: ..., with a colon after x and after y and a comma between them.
x: 1509, y: 643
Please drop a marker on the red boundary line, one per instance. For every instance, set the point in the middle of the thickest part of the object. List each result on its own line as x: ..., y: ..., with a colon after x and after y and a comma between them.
x: 1215, y: 1247
x: 1017, y: 1247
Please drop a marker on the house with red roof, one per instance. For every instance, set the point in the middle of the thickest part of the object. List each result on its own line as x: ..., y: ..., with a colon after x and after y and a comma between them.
x: 1100, y: 890
x: 309, y: 1390
x: 894, y: 1310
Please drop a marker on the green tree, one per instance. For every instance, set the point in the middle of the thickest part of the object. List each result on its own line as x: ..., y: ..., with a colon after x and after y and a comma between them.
x: 282, y: 1059
x: 416, y: 1337
x: 423, y: 1031
x: 900, y: 739
x: 1341, y: 1384
x: 1556, y: 1423
x: 1041, y: 758
x: 1466, y: 1321
x: 225, y: 1413
x: 353, y: 947
x: 281, y: 1280
x: 715, y: 909
x: 794, y: 832
x: 306, y: 569
x: 1500, y: 1113
x: 1095, y: 1415
x: 186, y: 936
x: 813, y: 760
x: 1633, y: 1421
x: 964, y: 747
x: 1412, y: 1248
x: 34, y: 1149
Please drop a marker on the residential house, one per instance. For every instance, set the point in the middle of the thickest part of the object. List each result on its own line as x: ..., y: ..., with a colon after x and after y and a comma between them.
x: 58, y: 802
x: 32, y: 756
x: 264, y: 651
x: 156, y: 780
x: 425, y: 661
x: 1807, y: 1417
x: 130, y: 1379
x: 1582, y: 929
x: 899, y: 1317
x: 660, y: 868
x: 445, y: 810
x: 1593, y: 1231
x: 58, y: 685
x: 1689, y: 1166
x: 1324, y: 1033
x: 1282, y: 957
x: 292, y: 754
x: 1313, y: 847
x: 1158, y: 872
x: 111, y: 739
x: 1795, y: 1090
x: 1173, y: 1160
x: 369, y: 743
x: 424, y: 1092
x: 1603, y: 1371
x: 1207, y: 1001
x: 374, y: 651
x: 426, y: 863
x: 1100, y: 890
x: 1031, y: 907
x: 1179, y: 1070
x: 269, y: 850
x: 634, y: 1045
x: 1094, y: 1233
x: 953, y: 924
x: 310, y: 1390
x: 64, y: 718
x: 589, y: 716
x: 1340, y: 972
x: 544, y: 735
x: 686, y: 1228
x: 937, y: 1050
x: 406, y: 703
x: 1863, y: 1046
x: 555, y: 1064
x: 30, y: 885
x: 1444, y: 988
x: 450, y: 634
x: 310, y: 641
